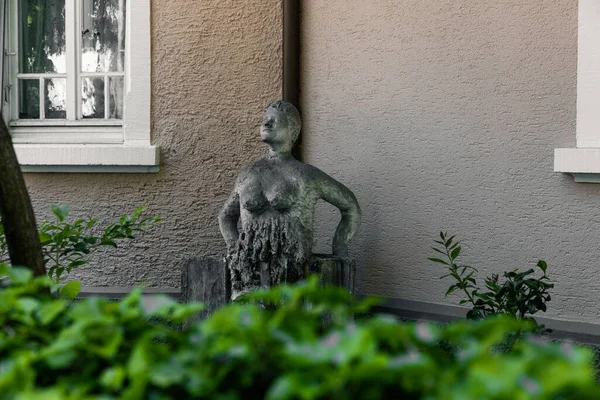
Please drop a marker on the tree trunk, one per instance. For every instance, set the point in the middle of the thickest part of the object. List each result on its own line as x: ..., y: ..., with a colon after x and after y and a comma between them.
x: 16, y: 212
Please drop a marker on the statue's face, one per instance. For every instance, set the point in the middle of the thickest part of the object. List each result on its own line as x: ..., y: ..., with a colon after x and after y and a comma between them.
x: 274, y: 128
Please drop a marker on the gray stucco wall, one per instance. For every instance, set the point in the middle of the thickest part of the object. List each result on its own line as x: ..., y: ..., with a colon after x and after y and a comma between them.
x: 215, y: 65
x: 443, y: 115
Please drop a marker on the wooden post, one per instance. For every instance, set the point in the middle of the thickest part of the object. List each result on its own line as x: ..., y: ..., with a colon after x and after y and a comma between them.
x: 334, y: 270
x: 206, y: 279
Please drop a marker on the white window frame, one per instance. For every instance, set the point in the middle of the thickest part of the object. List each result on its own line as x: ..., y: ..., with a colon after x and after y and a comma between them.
x: 583, y: 161
x: 101, y: 145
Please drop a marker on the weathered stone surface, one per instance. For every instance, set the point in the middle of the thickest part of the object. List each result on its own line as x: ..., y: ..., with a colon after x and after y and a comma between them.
x: 205, y: 279
x: 274, y: 200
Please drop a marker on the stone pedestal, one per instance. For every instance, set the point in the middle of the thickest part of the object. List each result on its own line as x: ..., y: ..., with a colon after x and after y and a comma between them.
x: 206, y: 279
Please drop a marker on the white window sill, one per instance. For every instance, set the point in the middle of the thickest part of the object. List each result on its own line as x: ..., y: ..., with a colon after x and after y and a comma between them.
x: 88, y: 158
x: 582, y: 163
x: 63, y: 122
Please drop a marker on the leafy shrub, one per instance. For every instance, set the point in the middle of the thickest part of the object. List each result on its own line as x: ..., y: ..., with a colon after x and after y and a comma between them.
x: 67, y: 245
x: 519, y: 295
x: 302, y: 342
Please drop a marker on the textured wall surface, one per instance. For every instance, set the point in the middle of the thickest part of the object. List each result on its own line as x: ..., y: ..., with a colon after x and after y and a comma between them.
x: 444, y: 115
x: 215, y: 65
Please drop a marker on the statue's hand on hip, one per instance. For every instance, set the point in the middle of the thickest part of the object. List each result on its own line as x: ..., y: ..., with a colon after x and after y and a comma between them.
x: 340, y: 250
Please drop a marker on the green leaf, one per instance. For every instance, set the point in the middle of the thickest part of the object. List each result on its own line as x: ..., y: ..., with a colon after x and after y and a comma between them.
x: 61, y: 359
x: 450, y: 290
x: 112, y: 378
x: 454, y: 245
x: 291, y: 386
x: 109, y: 229
x: 20, y: 275
x: 70, y: 289
x: 528, y: 272
x: 45, y: 238
x: 28, y: 304
x: 75, y: 264
x: 437, y: 260
x: 542, y: 265
x: 60, y: 210
x: 50, y: 311
x: 455, y: 253
x: 140, y: 358
x: 138, y: 211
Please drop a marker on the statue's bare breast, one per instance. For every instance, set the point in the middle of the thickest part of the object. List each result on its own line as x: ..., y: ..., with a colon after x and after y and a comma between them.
x: 265, y: 189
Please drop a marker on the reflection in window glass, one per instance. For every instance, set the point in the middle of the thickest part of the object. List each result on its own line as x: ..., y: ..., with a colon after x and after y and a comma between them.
x: 55, y: 98
x: 45, y: 56
x: 29, y: 95
x: 115, y: 97
x: 103, y: 35
x: 42, y: 36
x: 92, y: 97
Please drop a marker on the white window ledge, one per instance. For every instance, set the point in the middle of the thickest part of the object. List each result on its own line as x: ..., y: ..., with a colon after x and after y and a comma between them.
x: 88, y: 158
x: 582, y: 163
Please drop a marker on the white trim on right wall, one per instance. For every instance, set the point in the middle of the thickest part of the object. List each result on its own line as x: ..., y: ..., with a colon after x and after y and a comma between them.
x: 583, y: 162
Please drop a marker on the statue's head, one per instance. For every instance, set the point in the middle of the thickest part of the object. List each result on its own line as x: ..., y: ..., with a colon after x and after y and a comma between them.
x: 281, y: 124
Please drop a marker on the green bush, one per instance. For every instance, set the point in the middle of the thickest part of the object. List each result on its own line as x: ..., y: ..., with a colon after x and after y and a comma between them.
x: 290, y: 342
x: 67, y: 245
x: 520, y: 294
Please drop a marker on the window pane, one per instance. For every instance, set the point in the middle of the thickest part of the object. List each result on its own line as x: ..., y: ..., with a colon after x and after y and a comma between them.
x: 92, y: 97
x: 29, y: 98
x: 115, y: 97
x: 55, y: 98
x: 42, y: 36
x: 103, y: 35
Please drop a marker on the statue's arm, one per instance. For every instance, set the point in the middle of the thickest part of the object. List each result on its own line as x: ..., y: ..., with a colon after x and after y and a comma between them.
x: 340, y: 196
x: 228, y: 219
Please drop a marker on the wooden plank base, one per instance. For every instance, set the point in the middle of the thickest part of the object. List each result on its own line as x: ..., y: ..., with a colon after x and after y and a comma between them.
x: 206, y: 279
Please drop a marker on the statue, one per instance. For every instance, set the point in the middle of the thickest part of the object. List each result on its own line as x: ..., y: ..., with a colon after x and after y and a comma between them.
x: 274, y: 198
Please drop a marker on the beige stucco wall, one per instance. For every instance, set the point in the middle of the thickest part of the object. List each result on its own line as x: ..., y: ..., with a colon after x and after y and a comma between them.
x: 215, y: 65
x: 443, y: 114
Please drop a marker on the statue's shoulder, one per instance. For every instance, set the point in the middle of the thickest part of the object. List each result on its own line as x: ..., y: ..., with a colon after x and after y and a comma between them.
x: 320, y: 179
x: 310, y: 170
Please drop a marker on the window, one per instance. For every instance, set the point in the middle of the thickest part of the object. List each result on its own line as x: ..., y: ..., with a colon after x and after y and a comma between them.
x: 583, y: 161
x: 77, y: 84
x: 68, y: 78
